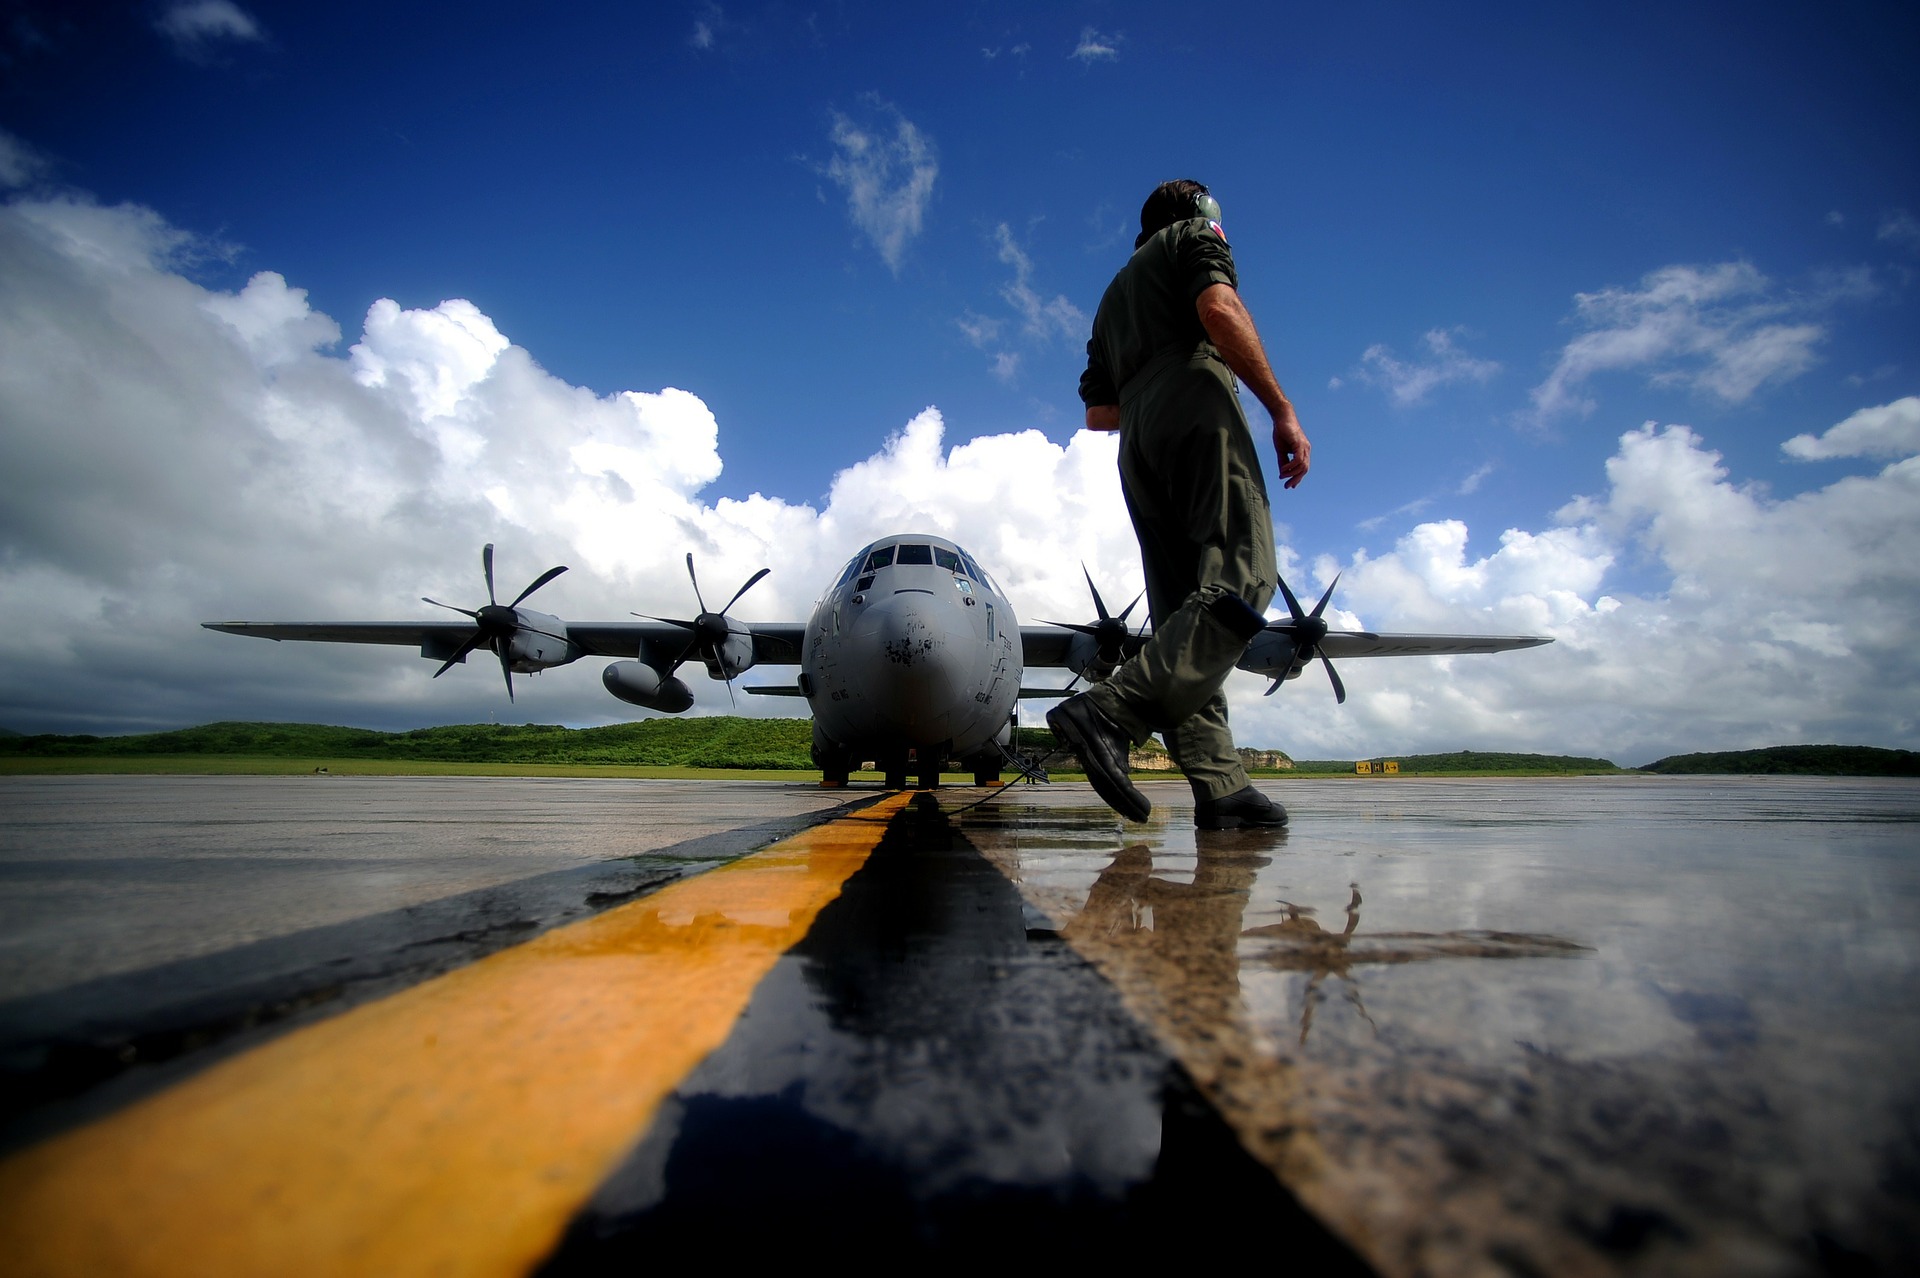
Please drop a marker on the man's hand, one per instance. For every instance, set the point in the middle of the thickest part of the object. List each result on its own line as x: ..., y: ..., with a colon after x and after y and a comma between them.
x: 1290, y: 443
x: 1103, y: 417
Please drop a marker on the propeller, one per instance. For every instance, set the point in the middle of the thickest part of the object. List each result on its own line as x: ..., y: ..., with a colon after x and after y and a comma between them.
x: 1308, y: 629
x: 495, y: 624
x: 1110, y: 633
x: 708, y: 631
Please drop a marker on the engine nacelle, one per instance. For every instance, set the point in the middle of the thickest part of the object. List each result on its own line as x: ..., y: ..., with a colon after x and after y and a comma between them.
x: 1271, y: 654
x: 1081, y: 655
x: 638, y: 683
x: 735, y: 653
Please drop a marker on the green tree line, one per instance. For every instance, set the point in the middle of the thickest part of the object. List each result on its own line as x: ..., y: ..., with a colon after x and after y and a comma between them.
x: 729, y: 741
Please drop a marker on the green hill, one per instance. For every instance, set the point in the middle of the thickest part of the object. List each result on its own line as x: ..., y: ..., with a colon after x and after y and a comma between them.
x: 1798, y: 760
x: 1472, y: 761
x: 1459, y: 761
x: 719, y: 742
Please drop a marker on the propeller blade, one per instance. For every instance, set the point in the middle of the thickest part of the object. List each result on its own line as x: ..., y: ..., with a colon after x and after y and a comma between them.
x: 696, y: 583
x: 460, y: 653
x: 692, y: 645
x: 538, y: 582
x: 1099, y: 605
x: 1074, y: 626
x: 671, y: 621
x: 1273, y: 687
x: 1321, y: 606
x: 486, y: 566
x: 751, y: 581
x: 450, y: 608
x: 1130, y: 607
x: 506, y: 670
x: 1293, y: 605
x: 730, y: 700
x: 1339, y: 689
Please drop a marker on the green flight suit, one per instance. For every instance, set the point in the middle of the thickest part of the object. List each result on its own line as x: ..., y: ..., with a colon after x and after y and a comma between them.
x: 1199, y: 504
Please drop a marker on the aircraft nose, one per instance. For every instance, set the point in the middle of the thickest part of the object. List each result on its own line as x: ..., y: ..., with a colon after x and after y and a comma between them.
x: 920, y: 652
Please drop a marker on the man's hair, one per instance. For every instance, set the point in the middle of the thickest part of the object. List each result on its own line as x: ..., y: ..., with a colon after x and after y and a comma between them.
x: 1170, y: 202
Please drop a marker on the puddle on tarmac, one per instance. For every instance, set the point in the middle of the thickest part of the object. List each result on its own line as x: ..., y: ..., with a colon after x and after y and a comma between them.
x: 1565, y: 1027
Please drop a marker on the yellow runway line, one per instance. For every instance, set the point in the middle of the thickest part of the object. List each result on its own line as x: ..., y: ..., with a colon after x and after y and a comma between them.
x: 453, y: 1128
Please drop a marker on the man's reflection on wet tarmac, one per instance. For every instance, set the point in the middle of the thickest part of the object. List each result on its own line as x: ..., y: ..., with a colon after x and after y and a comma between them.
x: 924, y: 1075
x: 1177, y: 944
x: 1173, y: 951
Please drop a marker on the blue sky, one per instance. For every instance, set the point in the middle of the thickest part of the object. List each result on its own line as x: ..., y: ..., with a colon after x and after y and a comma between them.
x: 1483, y: 244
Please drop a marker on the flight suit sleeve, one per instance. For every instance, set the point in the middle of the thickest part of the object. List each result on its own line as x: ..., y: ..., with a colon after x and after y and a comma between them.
x: 1202, y: 259
x: 1096, y: 384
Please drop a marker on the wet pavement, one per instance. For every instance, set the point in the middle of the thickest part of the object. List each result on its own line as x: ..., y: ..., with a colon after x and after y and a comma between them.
x: 149, y: 924
x: 952, y: 1084
x: 100, y: 875
x: 1585, y: 1026
x: 1617, y: 1025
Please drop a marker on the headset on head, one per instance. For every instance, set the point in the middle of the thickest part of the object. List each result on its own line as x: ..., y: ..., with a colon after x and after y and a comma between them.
x: 1199, y: 204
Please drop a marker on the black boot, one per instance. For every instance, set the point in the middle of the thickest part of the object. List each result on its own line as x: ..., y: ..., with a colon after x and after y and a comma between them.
x: 1244, y: 808
x: 1102, y: 749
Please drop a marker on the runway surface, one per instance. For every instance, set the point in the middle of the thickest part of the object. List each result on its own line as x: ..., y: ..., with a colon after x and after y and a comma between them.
x: 326, y: 1025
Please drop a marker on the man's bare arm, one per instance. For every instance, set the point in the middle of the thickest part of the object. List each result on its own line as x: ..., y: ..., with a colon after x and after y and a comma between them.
x: 1103, y: 417
x: 1230, y: 329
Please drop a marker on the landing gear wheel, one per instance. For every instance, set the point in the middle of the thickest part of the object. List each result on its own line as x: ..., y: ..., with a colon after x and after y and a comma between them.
x: 929, y: 776
x: 834, y: 761
x: 986, y: 776
x: 896, y: 773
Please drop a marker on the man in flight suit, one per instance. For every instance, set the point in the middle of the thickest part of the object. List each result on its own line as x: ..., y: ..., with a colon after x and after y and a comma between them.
x: 1169, y: 338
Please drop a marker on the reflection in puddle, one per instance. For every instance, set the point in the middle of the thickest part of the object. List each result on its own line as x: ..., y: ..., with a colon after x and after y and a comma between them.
x: 962, y: 1083
x: 1299, y: 944
x: 1721, y: 1084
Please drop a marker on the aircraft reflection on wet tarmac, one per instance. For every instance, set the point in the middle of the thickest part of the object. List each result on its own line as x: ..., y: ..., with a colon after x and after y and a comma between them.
x: 962, y: 1083
x: 1017, y: 1030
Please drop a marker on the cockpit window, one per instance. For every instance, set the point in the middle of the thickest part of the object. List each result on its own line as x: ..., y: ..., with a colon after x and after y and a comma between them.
x: 853, y: 566
x: 973, y: 569
x: 946, y: 559
x: 915, y: 555
x: 880, y: 558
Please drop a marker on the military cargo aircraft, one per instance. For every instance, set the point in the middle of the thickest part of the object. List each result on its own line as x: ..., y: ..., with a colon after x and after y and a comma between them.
x: 913, y: 656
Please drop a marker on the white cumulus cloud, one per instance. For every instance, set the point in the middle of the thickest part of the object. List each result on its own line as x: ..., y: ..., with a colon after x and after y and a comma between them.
x: 20, y: 164
x: 1040, y: 317
x: 1095, y: 47
x: 1784, y: 622
x: 197, y: 25
x: 176, y: 454
x: 1409, y: 382
x: 887, y: 168
x: 1900, y: 227
x: 1726, y: 330
x: 1888, y: 430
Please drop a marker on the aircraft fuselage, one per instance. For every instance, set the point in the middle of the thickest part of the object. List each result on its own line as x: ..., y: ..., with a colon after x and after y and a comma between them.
x: 914, y: 647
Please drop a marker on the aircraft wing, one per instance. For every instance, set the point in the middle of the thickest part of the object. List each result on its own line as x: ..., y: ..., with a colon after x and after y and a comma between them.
x: 410, y: 634
x: 1042, y: 646
x: 1363, y: 643
x: 1273, y: 651
x: 774, y: 643
x: 777, y: 643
